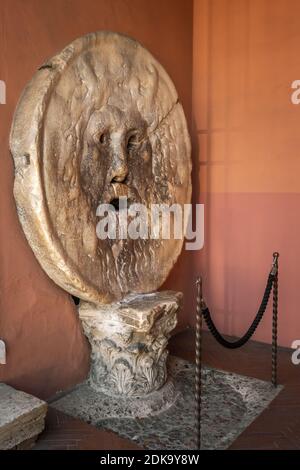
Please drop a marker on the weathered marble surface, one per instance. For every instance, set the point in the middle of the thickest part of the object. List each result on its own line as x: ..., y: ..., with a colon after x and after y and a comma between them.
x: 230, y: 403
x: 128, y: 341
x: 98, y: 121
x: 89, y: 404
x: 22, y: 417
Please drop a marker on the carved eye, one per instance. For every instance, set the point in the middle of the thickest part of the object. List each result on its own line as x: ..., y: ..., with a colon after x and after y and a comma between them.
x: 103, y: 139
x: 132, y: 142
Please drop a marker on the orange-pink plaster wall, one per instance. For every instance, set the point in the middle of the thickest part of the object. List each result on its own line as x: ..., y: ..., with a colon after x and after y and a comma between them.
x: 247, y: 137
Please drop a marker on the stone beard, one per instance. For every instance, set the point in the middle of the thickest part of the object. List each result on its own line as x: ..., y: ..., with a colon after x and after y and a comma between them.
x: 109, y: 124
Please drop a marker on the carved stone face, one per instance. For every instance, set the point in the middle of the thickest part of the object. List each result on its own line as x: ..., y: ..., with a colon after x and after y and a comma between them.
x: 116, y: 156
x: 105, y: 122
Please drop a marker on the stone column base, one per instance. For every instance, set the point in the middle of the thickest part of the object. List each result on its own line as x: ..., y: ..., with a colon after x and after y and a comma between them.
x: 128, y: 341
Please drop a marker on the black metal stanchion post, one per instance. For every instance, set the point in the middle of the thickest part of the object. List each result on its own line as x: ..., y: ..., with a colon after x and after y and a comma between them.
x: 274, y: 319
x: 203, y: 311
x: 198, y: 369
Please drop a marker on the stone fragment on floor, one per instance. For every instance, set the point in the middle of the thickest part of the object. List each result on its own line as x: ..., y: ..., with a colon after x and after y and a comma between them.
x: 22, y: 418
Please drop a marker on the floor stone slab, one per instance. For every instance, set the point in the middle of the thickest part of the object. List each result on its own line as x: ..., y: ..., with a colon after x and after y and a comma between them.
x: 230, y: 403
x: 22, y: 417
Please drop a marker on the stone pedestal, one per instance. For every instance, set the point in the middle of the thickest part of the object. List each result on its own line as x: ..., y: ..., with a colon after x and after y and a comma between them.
x: 128, y: 341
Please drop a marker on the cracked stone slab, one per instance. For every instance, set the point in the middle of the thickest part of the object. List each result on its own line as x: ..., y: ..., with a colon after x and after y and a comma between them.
x: 22, y: 417
x: 230, y: 403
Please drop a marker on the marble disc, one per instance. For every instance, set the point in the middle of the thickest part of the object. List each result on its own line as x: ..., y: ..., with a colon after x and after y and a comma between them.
x: 98, y: 121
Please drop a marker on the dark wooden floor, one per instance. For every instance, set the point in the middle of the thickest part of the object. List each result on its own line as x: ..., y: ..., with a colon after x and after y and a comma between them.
x: 278, y: 427
x: 63, y: 432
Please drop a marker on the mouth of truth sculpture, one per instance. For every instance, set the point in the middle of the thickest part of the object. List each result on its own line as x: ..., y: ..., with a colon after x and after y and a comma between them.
x: 100, y: 121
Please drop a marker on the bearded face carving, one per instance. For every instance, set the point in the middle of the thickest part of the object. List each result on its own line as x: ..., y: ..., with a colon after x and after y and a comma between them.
x: 117, y: 157
x: 105, y: 122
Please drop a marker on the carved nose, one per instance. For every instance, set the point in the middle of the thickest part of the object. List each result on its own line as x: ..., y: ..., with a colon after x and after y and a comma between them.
x: 119, y: 170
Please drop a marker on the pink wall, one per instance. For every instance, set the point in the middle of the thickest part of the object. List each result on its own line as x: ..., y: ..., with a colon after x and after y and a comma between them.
x: 247, y: 136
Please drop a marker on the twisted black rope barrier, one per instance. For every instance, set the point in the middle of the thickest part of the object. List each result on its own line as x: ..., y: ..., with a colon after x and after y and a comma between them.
x: 202, y: 311
x: 243, y: 340
x: 272, y: 279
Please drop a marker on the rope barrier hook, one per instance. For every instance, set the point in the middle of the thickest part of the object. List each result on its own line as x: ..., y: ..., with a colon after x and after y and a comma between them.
x: 275, y: 263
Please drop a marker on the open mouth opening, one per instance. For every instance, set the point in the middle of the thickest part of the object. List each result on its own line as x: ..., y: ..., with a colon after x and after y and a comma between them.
x: 116, y: 203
